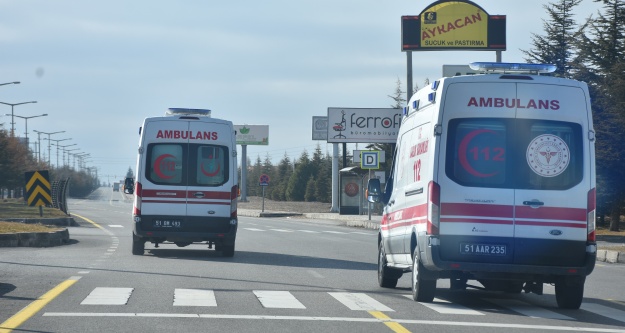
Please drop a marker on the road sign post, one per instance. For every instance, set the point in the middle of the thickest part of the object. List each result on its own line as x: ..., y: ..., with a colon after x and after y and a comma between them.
x: 263, y: 182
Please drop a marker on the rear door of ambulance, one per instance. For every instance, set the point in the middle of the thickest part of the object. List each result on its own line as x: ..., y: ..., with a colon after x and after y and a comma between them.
x: 164, y: 187
x: 475, y: 172
x: 211, y: 175
x: 553, y: 174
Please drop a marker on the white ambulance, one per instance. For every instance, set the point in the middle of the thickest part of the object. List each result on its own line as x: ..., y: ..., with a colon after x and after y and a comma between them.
x: 493, y: 180
x: 186, y: 184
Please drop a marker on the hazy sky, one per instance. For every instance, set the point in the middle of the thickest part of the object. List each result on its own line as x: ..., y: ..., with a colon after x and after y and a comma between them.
x: 98, y: 68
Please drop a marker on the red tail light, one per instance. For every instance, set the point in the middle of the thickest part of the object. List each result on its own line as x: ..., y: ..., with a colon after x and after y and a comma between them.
x: 591, y: 215
x: 434, y: 211
x: 234, y: 193
x: 137, y: 206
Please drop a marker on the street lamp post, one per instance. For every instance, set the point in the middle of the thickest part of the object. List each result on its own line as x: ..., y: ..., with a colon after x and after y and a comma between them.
x: 57, y: 152
x: 26, y: 122
x: 14, y: 82
x: 12, y: 113
x: 48, y: 141
x: 68, y: 154
x: 57, y: 149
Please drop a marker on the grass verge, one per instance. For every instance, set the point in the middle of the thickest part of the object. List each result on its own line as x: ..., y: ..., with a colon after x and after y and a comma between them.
x: 14, y: 227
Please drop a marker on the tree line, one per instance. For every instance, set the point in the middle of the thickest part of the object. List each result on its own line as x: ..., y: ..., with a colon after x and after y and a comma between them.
x: 16, y: 159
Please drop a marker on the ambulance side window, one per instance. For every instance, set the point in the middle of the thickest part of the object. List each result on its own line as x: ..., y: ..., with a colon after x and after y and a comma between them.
x: 165, y: 164
x: 211, y: 165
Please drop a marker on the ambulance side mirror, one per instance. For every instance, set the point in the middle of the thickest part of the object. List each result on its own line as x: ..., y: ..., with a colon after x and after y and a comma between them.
x: 374, y: 190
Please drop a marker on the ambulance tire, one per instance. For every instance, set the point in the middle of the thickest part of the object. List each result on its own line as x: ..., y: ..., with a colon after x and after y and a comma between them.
x: 227, y: 250
x: 138, y: 245
x: 423, y: 289
x: 570, y: 293
x: 387, y: 277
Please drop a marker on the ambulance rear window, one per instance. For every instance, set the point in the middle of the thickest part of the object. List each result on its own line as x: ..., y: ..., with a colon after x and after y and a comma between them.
x: 514, y: 153
x: 165, y: 164
x: 211, y: 165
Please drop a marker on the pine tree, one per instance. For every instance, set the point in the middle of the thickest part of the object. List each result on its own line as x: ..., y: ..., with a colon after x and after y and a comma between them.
x: 602, y: 65
x: 296, y: 188
x: 558, y: 45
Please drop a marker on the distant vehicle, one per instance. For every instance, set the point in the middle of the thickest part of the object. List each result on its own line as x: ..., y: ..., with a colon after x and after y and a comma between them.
x: 129, y: 185
x: 186, y: 182
x: 493, y: 180
x: 116, y: 187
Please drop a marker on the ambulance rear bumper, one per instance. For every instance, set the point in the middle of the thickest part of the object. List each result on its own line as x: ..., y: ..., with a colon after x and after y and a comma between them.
x: 431, y: 259
x: 187, y: 229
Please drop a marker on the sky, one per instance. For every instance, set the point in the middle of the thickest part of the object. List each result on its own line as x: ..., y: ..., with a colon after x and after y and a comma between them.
x: 98, y: 68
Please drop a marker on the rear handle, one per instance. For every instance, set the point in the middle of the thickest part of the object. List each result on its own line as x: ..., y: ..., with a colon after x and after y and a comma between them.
x: 534, y: 203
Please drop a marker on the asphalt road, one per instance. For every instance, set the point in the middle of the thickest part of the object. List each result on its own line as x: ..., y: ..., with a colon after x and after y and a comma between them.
x: 287, y: 275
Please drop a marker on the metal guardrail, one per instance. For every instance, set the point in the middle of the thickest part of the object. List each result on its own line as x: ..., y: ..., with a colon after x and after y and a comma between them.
x: 59, y: 194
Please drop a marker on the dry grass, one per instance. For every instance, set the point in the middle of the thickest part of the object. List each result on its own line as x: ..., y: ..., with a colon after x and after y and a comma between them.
x: 17, y: 208
x: 13, y: 227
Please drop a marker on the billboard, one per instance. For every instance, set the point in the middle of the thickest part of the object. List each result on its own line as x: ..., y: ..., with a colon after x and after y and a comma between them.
x: 252, y: 134
x: 454, y: 25
x: 320, y: 128
x: 353, y: 125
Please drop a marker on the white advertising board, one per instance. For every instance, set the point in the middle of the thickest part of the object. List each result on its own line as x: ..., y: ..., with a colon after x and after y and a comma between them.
x: 353, y: 125
x: 252, y: 134
x: 320, y: 128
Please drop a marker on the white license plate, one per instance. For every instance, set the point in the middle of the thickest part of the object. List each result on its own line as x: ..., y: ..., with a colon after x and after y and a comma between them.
x: 483, y: 249
x: 167, y: 223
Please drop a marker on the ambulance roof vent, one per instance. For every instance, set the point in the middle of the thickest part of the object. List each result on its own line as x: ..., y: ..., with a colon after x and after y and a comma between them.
x: 507, y: 67
x: 187, y: 112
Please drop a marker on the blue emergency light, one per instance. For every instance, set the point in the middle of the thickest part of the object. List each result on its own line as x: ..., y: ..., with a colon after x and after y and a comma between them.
x: 507, y: 67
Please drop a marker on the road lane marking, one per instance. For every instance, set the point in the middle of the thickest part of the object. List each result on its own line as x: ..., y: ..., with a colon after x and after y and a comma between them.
x: 474, y: 325
x: 282, y: 230
x: 604, y: 311
x: 95, y: 224
x: 278, y: 299
x: 396, y: 327
x: 316, y: 274
x: 360, y: 302
x: 108, y: 296
x: 115, y: 226
x: 26, y: 313
x: 445, y: 307
x: 253, y: 229
x: 527, y: 309
x: 194, y: 297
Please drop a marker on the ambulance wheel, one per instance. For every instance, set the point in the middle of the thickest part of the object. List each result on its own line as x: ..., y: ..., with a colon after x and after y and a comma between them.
x: 138, y: 245
x: 387, y: 277
x: 227, y: 250
x: 570, y: 293
x: 423, y: 289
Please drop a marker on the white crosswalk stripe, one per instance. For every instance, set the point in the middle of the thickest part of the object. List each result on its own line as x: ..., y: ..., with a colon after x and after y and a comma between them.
x: 605, y: 311
x: 360, y: 302
x: 108, y: 296
x: 445, y: 307
x: 278, y: 299
x: 527, y: 309
x: 194, y: 297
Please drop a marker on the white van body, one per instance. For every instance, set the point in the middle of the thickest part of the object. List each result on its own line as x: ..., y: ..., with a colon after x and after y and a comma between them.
x: 186, y: 184
x: 493, y: 180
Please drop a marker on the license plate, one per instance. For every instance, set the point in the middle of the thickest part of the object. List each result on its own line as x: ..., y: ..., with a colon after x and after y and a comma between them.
x: 483, y: 249
x: 167, y: 223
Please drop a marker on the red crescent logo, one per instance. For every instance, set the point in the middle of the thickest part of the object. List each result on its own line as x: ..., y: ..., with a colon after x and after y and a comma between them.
x: 157, y: 166
x: 462, y: 152
x: 210, y: 174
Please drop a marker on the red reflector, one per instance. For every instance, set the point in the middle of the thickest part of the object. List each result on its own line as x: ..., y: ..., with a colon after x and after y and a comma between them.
x: 572, y: 270
x: 454, y: 265
x: 149, y: 233
x: 220, y: 235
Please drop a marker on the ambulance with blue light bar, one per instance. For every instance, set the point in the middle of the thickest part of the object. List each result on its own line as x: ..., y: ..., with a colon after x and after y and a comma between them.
x: 493, y: 181
x: 186, y: 184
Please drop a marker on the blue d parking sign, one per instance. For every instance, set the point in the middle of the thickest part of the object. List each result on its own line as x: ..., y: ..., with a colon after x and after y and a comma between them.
x: 370, y: 160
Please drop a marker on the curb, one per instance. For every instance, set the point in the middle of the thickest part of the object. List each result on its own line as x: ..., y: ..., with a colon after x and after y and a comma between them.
x: 35, y: 239
x: 612, y: 257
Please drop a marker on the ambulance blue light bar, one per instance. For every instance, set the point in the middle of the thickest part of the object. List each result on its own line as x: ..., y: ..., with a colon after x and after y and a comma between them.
x: 507, y: 67
x: 187, y: 112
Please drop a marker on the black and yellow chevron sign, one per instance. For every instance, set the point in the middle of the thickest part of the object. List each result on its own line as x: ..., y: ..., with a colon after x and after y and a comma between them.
x: 38, y: 190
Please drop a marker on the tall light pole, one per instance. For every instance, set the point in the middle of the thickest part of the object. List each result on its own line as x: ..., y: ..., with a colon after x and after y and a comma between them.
x: 68, y: 153
x: 26, y: 121
x: 57, y: 152
x: 12, y: 119
x: 14, y: 82
x: 57, y: 149
x: 40, y: 132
